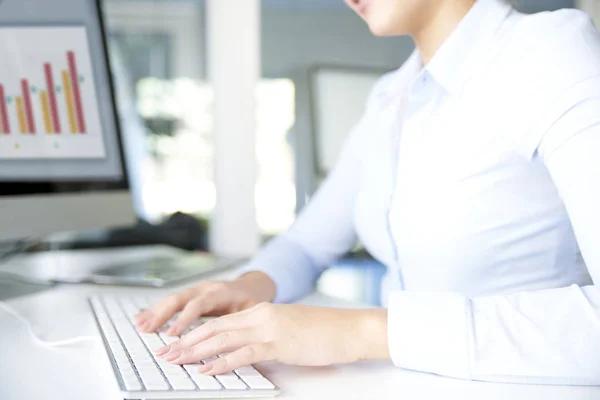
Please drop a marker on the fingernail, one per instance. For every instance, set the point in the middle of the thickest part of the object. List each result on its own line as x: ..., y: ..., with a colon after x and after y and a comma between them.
x: 162, y: 351
x: 172, y: 331
x: 206, y: 368
x: 172, y: 356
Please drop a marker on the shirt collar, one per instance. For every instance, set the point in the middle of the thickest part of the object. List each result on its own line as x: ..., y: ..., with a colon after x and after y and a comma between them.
x: 401, y: 79
x: 452, y: 64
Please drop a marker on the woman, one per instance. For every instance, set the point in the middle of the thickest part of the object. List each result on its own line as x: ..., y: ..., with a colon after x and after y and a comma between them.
x: 474, y: 177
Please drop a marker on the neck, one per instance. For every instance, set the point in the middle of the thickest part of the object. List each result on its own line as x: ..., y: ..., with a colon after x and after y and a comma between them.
x: 440, y: 26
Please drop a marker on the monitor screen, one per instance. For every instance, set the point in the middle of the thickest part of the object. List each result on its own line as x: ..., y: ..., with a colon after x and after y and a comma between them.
x: 58, y: 126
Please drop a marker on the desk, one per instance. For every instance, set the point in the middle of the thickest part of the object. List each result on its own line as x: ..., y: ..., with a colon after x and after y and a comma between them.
x: 82, y: 371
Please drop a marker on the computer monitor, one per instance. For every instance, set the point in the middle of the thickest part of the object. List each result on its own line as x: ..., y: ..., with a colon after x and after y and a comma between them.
x: 61, y: 156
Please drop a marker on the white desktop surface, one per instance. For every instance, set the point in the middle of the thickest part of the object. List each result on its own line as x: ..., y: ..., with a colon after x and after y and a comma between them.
x: 82, y: 371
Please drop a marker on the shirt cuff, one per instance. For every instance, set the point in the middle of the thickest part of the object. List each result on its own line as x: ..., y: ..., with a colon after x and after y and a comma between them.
x: 291, y: 269
x: 429, y: 332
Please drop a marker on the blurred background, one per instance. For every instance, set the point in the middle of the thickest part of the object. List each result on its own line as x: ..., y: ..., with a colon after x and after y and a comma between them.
x: 310, y: 49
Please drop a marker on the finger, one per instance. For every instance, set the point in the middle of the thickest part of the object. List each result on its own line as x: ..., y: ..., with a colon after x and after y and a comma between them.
x: 245, y: 356
x: 190, y: 313
x: 231, y: 322
x: 159, y: 314
x: 224, y: 342
x: 142, y: 316
x: 142, y: 320
x: 206, y: 331
x: 200, y: 306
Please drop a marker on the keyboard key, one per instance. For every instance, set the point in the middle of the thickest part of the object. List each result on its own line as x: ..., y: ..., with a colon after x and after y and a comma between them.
x: 182, y: 384
x: 140, y: 370
x: 145, y: 365
x: 247, y: 371
x: 193, y: 366
x: 174, y: 373
x: 156, y: 386
x: 131, y: 310
x: 132, y: 383
x: 204, y: 382
x: 258, y: 383
x: 141, y: 303
x: 151, y: 340
x: 167, y: 338
x: 231, y: 382
x: 154, y: 382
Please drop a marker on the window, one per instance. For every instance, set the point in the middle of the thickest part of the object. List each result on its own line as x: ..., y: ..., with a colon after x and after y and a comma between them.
x: 161, y: 45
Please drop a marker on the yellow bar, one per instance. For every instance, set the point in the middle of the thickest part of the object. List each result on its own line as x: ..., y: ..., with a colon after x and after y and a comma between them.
x: 69, y: 99
x: 21, y: 115
x: 46, y: 112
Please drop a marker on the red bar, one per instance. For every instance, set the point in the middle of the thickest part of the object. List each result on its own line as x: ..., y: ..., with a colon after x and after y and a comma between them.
x: 52, y: 97
x: 76, y: 91
x: 3, y: 112
x: 28, y: 107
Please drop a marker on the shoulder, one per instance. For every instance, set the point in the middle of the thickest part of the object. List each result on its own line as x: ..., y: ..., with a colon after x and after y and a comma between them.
x: 392, y: 84
x: 561, y: 20
x: 386, y: 81
x: 552, y: 60
x: 561, y: 46
x: 547, y: 55
x: 384, y: 88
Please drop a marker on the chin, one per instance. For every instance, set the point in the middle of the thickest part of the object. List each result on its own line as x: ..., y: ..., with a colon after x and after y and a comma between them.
x: 382, y: 28
x: 383, y: 31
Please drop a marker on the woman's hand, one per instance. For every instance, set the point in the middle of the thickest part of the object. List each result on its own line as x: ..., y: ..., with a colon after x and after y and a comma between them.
x: 207, y: 298
x: 291, y: 334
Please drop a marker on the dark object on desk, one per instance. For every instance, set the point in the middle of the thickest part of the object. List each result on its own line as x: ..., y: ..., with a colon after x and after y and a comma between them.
x: 180, y: 230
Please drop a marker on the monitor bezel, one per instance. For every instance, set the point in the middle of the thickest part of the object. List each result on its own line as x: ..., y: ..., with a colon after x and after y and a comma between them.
x: 10, y: 188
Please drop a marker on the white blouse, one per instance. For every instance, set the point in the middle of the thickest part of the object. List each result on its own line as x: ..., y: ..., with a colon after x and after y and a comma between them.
x: 476, y: 180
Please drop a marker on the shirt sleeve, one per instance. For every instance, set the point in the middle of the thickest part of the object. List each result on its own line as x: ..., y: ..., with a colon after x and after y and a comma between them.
x: 550, y: 336
x: 323, y: 231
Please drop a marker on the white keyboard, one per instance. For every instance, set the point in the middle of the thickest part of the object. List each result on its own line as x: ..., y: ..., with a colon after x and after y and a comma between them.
x: 142, y: 375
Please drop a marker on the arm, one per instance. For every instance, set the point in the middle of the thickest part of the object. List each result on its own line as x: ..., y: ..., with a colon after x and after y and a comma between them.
x: 550, y: 336
x: 289, y: 265
x: 323, y: 231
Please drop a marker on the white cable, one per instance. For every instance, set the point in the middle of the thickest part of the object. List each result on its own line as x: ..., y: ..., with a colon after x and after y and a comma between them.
x: 41, y: 342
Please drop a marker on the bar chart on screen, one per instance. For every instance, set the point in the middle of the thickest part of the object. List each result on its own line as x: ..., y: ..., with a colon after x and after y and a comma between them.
x: 48, y: 101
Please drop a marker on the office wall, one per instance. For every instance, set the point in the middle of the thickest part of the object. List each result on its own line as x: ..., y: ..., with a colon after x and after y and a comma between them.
x: 592, y: 7
x: 295, y: 33
x: 298, y: 33
x: 183, y: 21
x: 295, y: 39
x: 531, y: 6
x: 292, y: 37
